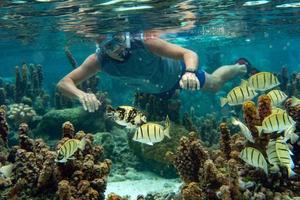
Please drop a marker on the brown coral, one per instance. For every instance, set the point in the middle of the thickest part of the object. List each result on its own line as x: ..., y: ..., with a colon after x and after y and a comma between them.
x: 192, y: 191
x: 3, y: 124
x: 189, y: 158
x: 264, y: 107
x: 251, y: 117
x: 225, y: 140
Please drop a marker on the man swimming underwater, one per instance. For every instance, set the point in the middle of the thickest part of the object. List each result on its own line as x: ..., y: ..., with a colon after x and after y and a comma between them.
x: 148, y: 64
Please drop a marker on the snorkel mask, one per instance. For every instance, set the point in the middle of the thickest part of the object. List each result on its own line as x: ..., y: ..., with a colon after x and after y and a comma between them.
x: 117, y: 46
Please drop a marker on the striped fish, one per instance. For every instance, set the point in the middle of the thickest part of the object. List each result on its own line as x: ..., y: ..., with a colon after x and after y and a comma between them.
x: 255, y: 158
x: 284, y: 155
x: 245, y: 131
x: 272, y: 156
x: 277, y: 97
x: 238, y: 96
x: 262, y: 81
x: 127, y: 116
x: 6, y: 171
x: 67, y: 150
x: 151, y: 133
x: 277, y: 110
x: 276, y: 123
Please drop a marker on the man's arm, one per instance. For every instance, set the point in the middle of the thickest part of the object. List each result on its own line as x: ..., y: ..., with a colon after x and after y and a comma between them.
x: 166, y: 49
x: 68, y: 84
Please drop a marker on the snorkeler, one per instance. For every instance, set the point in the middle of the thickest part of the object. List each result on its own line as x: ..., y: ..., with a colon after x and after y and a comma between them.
x: 148, y: 64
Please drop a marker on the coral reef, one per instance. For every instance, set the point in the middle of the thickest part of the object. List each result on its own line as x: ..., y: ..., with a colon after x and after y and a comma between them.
x: 294, y: 112
x: 157, y: 107
x: 36, y: 175
x: 3, y: 124
x: 203, y: 179
x: 27, y: 88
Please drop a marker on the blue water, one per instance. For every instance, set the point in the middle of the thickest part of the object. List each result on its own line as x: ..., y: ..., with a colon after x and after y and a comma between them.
x: 37, y: 32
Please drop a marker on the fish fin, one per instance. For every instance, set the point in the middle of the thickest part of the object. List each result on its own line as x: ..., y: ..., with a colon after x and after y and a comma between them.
x: 167, y: 127
x: 149, y: 143
x: 295, y: 101
x: 259, y: 129
x: 223, y: 101
x: 290, y: 172
x: 294, y: 138
x: 234, y: 121
x: 61, y: 161
x: 72, y: 158
x: 244, y: 83
x: 82, y: 144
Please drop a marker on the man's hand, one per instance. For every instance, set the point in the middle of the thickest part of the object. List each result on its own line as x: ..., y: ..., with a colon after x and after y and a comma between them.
x: 189, y: 81
x: 89, y: 102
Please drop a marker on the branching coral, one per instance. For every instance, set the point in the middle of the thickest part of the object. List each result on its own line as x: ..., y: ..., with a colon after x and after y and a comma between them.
x: 21, y: 113
x: 189, y: 158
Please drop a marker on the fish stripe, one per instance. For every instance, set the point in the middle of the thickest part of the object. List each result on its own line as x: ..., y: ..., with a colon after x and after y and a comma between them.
x: 289, y: 119
x: 276, y: 96
x: 258, y: 159
x: 252, y: 155
x: 270, y: 121
x: 148, y: 132
x: 142, y: 134
x: 236, y: 98
x: 264, y: 77
x: 242, y: 93
x: 155, y: 132
x: 248, y: 93
x: 284, y: 120
x: 276, y: 116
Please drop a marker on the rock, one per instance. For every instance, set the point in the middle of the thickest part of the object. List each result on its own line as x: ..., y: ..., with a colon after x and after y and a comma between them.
x: 50, y: 123
x: 154, y: 156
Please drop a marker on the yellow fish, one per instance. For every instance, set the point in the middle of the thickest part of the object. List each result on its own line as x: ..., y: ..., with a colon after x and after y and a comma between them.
x: 262, y: 81
x: 255, y: 158
x: 276, y: 123
x: 151, y: 133
x: 272, y: 156
x: 67, y: 150
x: 277, y: 97
x: 284, y: 156
x: 238, y: 96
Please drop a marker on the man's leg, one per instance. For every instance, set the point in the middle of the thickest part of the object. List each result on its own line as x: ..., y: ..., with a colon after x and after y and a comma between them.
x: 223, y: 74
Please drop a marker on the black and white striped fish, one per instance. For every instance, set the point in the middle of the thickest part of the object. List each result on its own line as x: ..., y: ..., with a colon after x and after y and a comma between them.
x: 284, y: 156
x: 262, y: 81
x: 238, y: 96
x: 151, y: 133
x: 255, y: 158
x: 277, y: 97
x: 67, y: 150
x: 127, y: 116
x: 277, y: 122
x: 272, y: 156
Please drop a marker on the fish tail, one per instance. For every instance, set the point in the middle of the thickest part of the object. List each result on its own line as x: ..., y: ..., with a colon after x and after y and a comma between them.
x: 259, y: 129
x: 234, y: 121
x: 167, y: 127
x: 82, y: 144
x: 223, y: 101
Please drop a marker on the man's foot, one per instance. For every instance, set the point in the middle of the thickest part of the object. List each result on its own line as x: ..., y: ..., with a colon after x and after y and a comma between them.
x: 250, y: 70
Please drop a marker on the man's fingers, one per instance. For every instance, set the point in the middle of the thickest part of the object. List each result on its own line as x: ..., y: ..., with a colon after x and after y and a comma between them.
x: 91, y: 100
x: 88, y: 103
x: 83, y: 103
x: 181, y: 83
